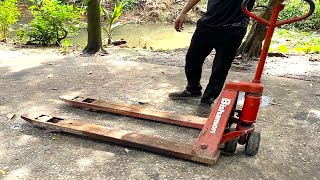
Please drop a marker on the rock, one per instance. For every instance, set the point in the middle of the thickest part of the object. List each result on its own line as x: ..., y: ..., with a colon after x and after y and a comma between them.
x: 119, y: 42
x: 315, y: 58
x: 124, y: 46
x: 276, y: 55
x: 11, y: 116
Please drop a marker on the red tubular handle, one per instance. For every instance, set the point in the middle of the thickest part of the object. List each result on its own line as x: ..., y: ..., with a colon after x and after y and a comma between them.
x: 266, y: 22
x: 248, y: 13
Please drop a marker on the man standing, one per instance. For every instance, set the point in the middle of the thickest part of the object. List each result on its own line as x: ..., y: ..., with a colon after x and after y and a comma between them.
x: 222, y: 27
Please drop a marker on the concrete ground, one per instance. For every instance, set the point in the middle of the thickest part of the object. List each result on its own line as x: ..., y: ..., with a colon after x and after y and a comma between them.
x: 32, y: 81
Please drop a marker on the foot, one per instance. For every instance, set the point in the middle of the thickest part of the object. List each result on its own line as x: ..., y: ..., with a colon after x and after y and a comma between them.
x: 204, y: 110
x: 184, y: 95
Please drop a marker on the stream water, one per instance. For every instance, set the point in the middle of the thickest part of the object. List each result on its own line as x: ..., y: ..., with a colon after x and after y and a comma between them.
x: 157, y: 36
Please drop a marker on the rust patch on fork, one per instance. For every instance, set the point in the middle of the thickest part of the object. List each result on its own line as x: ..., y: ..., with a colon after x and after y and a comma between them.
x: 135, y: 111
x: 122, y: 137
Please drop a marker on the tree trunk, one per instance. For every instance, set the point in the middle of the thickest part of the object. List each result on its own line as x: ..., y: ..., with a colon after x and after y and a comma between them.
x: 94, y: 28
x: 251, y: 47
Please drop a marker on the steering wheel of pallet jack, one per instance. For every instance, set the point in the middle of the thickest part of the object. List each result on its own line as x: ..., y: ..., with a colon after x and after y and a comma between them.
x: 253, y: 142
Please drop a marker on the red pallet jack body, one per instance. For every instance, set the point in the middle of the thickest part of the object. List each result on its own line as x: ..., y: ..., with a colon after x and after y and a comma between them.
x: 217, y: 129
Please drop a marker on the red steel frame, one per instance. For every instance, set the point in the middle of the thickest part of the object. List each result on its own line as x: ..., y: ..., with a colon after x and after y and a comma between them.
x: 212, y: 133
x: 223, y: 115
x: 272, y: 24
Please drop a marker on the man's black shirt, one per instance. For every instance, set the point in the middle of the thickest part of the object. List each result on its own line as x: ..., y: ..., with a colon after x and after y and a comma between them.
x: 226, y: 13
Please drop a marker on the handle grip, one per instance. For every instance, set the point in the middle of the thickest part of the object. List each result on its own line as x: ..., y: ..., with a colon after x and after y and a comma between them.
x: 266, y: 22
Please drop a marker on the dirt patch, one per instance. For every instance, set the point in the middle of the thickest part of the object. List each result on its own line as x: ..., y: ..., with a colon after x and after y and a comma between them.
x: 302, y: 67
x: 162, y: 11
x: 294, y: 66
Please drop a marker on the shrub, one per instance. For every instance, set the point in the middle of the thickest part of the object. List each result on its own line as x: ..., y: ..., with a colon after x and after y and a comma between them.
x: 111, y: 26
x: 294, y: 8
x: 9, y: 14
x: 65, y: 45
x: 127, y: 4
x: 52, y: 22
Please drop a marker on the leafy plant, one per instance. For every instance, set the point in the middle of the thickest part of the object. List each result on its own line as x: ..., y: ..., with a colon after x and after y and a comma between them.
x: 294, y: 41
x: 65, y: 45
x: 127, y: 4
x: 283, y: 48
x: 111, y: 25
x: 310, y: 44
x: 294, y: 8
x: 9, y: 14
x: 52, y: 22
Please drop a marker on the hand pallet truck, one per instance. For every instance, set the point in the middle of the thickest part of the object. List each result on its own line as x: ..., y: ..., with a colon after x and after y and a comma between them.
x: 215, y: 130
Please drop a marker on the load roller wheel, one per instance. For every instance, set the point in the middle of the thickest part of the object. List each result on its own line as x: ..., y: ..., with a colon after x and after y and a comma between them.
x: 252, y: 145
x: 231, y: 146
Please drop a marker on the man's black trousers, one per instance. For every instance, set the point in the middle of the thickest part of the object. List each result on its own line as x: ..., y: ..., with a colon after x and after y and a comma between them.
x: 225, y: 41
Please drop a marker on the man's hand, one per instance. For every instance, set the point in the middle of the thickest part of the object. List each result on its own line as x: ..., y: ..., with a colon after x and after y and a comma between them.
x: 178, y: 23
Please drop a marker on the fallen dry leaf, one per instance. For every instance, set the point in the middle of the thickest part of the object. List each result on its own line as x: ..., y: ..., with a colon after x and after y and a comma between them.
x: 142, y: 103
x: 11, y: 116
x: 55, y: 138
x: 273, y: 103
x: 3, y: 172
x: 126, y: 150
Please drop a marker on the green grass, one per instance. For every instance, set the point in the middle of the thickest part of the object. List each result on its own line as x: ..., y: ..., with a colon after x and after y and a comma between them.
x: 295, y: 41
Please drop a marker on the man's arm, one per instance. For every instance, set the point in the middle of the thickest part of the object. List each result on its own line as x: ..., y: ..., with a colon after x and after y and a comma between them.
x: 178, y: 23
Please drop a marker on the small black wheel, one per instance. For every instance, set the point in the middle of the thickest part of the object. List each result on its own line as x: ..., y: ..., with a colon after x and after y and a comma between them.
x: 252, y: 145
x: 231, y: 146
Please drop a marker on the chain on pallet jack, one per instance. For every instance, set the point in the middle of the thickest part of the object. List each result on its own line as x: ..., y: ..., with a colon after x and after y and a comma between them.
x: 215, y: 130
